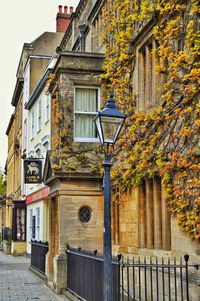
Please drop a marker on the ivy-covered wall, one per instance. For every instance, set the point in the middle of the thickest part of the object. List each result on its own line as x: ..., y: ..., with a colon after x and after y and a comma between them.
x: 164, y: 139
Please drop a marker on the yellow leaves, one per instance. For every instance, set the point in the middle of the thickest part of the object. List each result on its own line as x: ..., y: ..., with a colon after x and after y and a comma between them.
x: 72, y: 166
x: 147, y: 8
x: 182, y: 58
x: 123, y: 56
x: 194, y: 75
x: 160, y: 69
x: 197, y: 122
x: 170, y: 127
x: 188, y: 110
x: 186, y: 132
x: 195, y: 167
x: 51, y: 76
x: 172, y: 29
x: 170, y: 8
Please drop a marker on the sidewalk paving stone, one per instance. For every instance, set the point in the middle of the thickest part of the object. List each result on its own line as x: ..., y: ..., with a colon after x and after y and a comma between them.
x: 18, y: 283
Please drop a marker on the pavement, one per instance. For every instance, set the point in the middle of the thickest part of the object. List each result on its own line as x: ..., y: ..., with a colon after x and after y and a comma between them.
x: 18, y: 283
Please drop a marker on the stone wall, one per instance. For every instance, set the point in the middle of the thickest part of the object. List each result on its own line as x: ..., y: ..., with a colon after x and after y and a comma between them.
x: 73, y: 232
x: 128, y: 224
x: 18, y: 248
x: 66, y: 228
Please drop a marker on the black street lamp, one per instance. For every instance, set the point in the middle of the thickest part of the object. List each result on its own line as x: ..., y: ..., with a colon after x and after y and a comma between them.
x: 108, y: 122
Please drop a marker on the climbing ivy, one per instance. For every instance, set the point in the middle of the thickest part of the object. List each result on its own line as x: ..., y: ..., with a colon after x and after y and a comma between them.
x: 165, y: 139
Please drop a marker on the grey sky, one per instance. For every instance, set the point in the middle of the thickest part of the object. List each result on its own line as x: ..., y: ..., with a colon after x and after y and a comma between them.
x: 20, y: 22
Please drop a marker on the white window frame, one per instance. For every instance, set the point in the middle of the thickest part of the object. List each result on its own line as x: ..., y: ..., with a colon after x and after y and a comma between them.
x: 32, y: 124
x: 39, y: 115
x: 30, y: 223
x: 47, y: 107
x: 37, y: 224
x: 77, y: 139
x: 25, y: 138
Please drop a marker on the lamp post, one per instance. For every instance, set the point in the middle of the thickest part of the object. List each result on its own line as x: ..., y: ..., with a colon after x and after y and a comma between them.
x: 108, y: 122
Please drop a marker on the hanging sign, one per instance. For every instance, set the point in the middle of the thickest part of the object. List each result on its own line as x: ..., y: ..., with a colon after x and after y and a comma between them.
x: 32, y: 171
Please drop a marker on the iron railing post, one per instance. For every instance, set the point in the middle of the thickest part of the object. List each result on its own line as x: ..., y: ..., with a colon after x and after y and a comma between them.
x: 107, y: 257
x: 186, y: 257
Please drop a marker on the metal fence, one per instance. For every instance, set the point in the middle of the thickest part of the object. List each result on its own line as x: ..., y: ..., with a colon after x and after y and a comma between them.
x: 136, y: 279
x: 39, y: 250
x: 150, y: 279
x: 85, y: 275
x: 6, y: 233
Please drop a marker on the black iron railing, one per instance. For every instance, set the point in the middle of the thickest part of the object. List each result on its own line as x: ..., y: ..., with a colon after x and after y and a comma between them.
x: 85, y: 275
x: 39, y: 250
x: 153, y: 279
x: 136, y: 279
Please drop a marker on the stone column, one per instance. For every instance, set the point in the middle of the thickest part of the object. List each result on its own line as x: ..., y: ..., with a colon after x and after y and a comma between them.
x: 148, y: 77
x: 166, y: 225
x: 141, y: 77
x: 157, y: 213
x: 155, y: 79
x: 149, y: 214
x: 142, y: 216
x: 100, y: 32
x: 53, y: 239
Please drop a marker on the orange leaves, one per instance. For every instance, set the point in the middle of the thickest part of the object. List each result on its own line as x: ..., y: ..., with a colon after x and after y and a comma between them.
x: 163, y: 140
x: 186, y: 132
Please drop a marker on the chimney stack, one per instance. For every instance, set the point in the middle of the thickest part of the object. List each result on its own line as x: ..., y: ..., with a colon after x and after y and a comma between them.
x: 63, y: 18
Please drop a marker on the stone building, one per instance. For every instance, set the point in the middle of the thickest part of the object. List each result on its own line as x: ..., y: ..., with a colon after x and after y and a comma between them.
x: 37, y: 139
x: 72, y: 166
x: 33, y: 61
x: 15, y: 206
x: 141, y: 222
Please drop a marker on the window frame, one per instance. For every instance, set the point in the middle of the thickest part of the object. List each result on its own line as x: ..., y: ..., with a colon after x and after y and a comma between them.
x: 47, y: 107
x: 37, y: 223
x: 30, y: 224
x: 80, y: 139
x: 19, y: 207
x: 25, y: 136
x: 39, y: 115
x: 32, y: 124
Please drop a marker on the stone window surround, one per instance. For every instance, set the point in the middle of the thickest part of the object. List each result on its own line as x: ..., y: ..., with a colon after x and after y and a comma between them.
x: 82, y: 216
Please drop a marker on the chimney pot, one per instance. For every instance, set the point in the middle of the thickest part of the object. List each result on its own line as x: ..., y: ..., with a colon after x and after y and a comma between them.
x: 60, y: 8
x: 66, y: 9
x: 71, y: 9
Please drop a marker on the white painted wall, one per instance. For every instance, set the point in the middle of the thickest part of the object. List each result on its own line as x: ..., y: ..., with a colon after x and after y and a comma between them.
x: 43, y: 228
x: 41, y: 138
